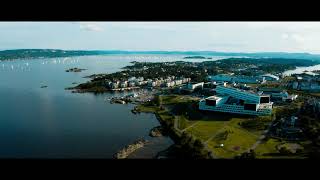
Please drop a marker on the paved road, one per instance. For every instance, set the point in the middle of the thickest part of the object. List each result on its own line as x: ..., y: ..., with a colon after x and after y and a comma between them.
x: 216, y: 133
x: 190, y: 126
x: 254, y: 146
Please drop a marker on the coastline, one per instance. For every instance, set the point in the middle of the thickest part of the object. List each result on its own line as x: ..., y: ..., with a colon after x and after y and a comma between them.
x: 149, y: 147
x: 152, y: 149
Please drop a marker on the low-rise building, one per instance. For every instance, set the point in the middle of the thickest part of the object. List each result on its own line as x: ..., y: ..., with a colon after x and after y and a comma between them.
x: 167, y: 84
x: 132, y: 79
x: 193, y: 86
x: 270, y: 77
x: 172, y: 83
x: 124, y: 84
x: 277, y: 94
x: 295, y: 85
x: 144, y: 82
x: 140, y: 79
x: 306, y: 85
x: 152, y: 83
x: 114, y: 85
x: 185, y: 80
x: 131, y: 84
x: 178, y: 82
x: 107, y: 84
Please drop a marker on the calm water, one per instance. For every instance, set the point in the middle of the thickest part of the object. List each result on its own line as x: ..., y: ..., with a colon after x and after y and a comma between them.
x: 54, y: 123
x: 300, y: 70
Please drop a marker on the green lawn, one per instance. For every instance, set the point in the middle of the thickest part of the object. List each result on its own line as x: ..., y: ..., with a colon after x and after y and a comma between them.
x: 205, y: 129
x: 184, y: 123
x: 176, y: 99
x: 165, y: 116
x: 315, y: 94
x: 211, y: 128
x: 237, y: 141
x: 143, y: 108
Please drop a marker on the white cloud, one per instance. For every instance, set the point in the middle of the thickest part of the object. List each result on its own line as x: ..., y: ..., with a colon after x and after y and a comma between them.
x: 298, y: 38
x: 90, y: 26
x: 285, y: 36
x: 167, y: 26
x: 294, y: 37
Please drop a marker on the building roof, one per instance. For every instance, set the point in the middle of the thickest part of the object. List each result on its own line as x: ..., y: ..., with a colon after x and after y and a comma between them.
x: 213, y: 98
x: 271, y: 75
x: 268, y: 89
x: 194, y: 83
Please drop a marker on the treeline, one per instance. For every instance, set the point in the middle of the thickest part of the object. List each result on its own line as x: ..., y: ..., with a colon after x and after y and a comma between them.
x: 309, y: 116
x: 283, y: 61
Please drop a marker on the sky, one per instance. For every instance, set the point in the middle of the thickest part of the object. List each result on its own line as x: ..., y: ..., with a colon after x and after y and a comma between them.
x: 167, y: 36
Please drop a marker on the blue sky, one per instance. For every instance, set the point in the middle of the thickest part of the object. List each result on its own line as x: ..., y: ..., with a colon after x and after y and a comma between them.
x: 195, y: 36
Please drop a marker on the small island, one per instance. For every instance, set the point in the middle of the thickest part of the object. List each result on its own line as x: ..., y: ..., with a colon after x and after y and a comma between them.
x: 195, y: 57
x: 75, y: 70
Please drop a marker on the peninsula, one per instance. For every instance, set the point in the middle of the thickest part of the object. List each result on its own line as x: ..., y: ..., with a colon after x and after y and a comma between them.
x: 181, y: 94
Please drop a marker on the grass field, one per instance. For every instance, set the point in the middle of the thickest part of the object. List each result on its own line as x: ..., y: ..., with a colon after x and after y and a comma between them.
x: 235, y: 140
x: 205, y: 129
x: 176, y: 99
x: 215, y: 132
x: 315, y: 94
x: 151, y: 109
x: 212, y: 128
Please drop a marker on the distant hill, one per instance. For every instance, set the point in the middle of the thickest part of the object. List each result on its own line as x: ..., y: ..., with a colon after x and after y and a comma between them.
x: 279, y: 61
x: 41, y: 53
x: 48, y: 53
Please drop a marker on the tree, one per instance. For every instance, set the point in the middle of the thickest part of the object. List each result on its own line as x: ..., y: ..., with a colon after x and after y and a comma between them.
x: 247, y: 155
x: 157, y: 100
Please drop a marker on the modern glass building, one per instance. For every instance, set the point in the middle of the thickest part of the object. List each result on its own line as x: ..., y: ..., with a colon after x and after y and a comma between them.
x: 233, y: 100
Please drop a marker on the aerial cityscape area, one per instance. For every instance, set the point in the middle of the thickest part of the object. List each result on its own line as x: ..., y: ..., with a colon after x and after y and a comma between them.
x: 160, y: 90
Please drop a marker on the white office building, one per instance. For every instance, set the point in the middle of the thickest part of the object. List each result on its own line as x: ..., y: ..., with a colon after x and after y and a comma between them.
x: 232, y: 100
x: 131, y: 84
x: 192, y: 86
x: 132, y: 79
x: 278, y: 94
x: 270, y: 77
x: 124, y: 84
x: 152, y: 83
x: 178, y: 82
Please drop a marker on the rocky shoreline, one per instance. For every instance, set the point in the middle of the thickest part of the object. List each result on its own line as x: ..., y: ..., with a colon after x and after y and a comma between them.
x: 126, y: 151
x: 98, y: 90
x: 156, y: 131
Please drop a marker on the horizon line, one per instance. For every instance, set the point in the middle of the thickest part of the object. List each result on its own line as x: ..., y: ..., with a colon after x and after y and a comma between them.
x: 212, y: 51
